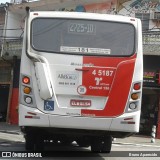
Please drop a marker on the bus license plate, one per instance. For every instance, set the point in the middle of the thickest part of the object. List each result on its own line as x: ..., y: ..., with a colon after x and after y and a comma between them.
x: 80, y: 103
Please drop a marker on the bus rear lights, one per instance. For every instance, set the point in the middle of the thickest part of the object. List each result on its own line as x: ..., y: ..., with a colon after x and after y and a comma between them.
x: 127, y: 122
x: 127, y: 119
x: 137, y: 86
x: 28, y: 100
x: 132, y: 106
x: 27, y: 90
x: 26, y: 80
x: 32, y: 113
x: 134, y: 96
x: 32, y: 117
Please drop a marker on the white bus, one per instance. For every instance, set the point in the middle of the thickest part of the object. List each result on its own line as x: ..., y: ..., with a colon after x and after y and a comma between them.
x: 80, y: 79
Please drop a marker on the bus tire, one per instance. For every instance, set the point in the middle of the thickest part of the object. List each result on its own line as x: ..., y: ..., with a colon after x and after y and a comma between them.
x: 101, y: 144
x: 39, y: 144
x: 66, y: 141
x: 83, y: 142
x: 107, y: 144
x: 96, y: 144
x: 29, y: 144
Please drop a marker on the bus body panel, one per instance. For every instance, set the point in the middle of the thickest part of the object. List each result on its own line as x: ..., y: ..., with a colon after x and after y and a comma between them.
x: 103, y: 105
x: 118, y: 124
x: 89, y: 92
x: 32, y: 117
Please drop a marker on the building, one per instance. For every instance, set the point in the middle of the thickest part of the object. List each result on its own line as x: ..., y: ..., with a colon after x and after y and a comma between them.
x: 5, y: 70
x: 148, y: 11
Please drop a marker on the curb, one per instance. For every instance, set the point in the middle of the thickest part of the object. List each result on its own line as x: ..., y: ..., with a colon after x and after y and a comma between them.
x: 11, y: 132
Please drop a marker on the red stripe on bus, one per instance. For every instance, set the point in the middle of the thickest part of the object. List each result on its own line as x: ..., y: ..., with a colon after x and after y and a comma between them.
x: 119, y: 91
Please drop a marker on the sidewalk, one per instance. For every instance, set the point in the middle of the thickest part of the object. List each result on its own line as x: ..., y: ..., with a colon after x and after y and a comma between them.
x: 9, y: 128
x: 133, y: 140
x: 138, y: 140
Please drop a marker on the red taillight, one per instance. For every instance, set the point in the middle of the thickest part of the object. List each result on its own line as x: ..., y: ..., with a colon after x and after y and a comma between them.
x: 26, y: 80
x: 132, y: 19
x: 35, y: 14
x: 137, y: 86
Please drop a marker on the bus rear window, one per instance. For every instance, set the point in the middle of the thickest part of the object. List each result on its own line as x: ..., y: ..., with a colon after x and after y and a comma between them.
x: 88, y: 37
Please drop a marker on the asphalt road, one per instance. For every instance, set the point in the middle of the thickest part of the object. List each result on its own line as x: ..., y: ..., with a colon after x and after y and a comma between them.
x: 13, y: 146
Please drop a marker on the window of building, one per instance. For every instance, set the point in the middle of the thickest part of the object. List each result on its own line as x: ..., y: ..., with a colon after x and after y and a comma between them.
x: 145, y: 20
x: 5, y: 74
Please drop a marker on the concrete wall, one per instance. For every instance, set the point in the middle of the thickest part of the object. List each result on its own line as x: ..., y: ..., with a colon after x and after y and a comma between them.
x: 14, y: 21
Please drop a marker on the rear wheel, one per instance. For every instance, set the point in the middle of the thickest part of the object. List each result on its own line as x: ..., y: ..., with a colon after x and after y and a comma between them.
x: 101, y: 144
x: 39, y: 144
x: 66, y: 141
x: 30, y: 141
x: 83, y: 142
x: 34, y: 143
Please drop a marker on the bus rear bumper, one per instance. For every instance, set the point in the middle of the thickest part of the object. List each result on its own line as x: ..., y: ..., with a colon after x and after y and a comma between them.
x: 128, y: 122
x: 34, y: 118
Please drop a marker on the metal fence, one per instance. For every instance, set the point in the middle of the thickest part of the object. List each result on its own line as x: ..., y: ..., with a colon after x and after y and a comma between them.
x: 151, y: 43
x: 12, y: 48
